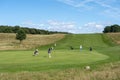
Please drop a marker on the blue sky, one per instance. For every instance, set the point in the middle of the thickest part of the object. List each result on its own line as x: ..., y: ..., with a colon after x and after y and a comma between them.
x: 76, y: 16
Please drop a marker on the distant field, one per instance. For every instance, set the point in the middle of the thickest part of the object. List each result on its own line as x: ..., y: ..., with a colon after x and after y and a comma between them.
x: 8, y: 41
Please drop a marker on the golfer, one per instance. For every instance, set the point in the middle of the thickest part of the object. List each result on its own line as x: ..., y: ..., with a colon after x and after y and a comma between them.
x: 49, y: 52
x: 80, y: 47
x: 35, y: 52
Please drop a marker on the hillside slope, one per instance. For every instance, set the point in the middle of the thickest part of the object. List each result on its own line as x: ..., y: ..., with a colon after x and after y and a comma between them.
x: 115, y: 37
x: 8, y: 41
x: 86, y: 40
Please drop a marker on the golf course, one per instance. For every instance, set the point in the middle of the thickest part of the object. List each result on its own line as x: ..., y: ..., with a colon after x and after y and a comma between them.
x: 65, y: 63
x: 60, y: 40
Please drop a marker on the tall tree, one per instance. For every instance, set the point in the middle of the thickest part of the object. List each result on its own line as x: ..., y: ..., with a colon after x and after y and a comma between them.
x: 115, y: 28
x: 21, y: 35
x: 107, y: 29
x: 16, y: 28
x: 112, y: 28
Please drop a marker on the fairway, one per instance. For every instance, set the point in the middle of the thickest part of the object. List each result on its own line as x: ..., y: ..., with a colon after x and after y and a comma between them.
x: 11, y: 61
x: 65, y: 64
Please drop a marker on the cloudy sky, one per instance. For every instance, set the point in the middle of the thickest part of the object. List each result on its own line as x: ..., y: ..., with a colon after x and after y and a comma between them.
x: 76, y: 16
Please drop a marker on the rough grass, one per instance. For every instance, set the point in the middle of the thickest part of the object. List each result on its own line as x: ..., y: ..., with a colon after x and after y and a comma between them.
x: 8, y: 41
x: 115, y: 37
x: 105, y: 72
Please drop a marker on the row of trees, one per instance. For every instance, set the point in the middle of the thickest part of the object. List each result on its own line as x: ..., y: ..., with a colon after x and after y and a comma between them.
x: 22, y: 31
x: 112, y: 28
x: 14, y: 29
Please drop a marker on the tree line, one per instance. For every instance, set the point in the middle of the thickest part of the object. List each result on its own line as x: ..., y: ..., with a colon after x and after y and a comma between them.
x: 112, y: 28
x: 14, y: 29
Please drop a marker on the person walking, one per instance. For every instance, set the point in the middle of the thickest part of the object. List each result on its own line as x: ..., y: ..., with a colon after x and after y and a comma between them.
x: 80, y: 47
x: 90, y: 48
x: 49, y: 52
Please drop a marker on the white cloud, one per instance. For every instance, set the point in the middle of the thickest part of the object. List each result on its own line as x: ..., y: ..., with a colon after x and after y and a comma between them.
x: 72, y: 27
x: 93, y: 27
x: 61, y: 26
x: 53, y: 25
x: 108, y: 9
x: 77, y: 4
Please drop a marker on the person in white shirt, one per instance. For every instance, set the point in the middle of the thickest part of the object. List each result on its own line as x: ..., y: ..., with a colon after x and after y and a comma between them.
x: 80, y: 47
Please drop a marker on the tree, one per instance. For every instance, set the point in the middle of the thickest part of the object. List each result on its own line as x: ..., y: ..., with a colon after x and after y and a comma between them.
x: 32, y: 31
x: 16, y: 28
x: 21, y: 35
x: 113, y: 28
x: 107, y: 29
x: 8, y: 30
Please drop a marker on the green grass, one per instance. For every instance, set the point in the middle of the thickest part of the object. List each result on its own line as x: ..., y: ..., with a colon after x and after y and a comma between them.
x: 65, y: 64
x: 24, y: 61
x: 86, y: 40
x: 62, y: 56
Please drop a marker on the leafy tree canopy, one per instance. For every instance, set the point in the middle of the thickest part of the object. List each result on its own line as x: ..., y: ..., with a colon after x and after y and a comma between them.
x: 112, y: 28
x: 20, y: 35
x: 14, y: 29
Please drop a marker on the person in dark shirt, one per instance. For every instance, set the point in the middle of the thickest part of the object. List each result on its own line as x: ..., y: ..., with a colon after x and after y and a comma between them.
x: 90, y: 48
x: 71, y: 48
x: 35, y: 52
x: 49, y: 52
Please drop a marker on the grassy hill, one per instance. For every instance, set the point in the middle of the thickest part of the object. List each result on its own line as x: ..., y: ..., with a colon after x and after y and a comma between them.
x: 62, y: 55
x: 86, y: 40
x: 65, y: 64
x: 115, y: 37
x: 8, y: 41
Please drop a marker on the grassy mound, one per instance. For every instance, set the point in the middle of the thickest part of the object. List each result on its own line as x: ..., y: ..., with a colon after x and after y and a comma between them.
x: 8, y: 41
x: 86, y: 40
x: 24, y: 60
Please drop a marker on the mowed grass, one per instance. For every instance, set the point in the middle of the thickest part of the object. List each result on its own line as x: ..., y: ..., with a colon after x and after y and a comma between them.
x: 65, y: 64
x: 62, y: 56
x: 86, y: 40
x: 14, y: 61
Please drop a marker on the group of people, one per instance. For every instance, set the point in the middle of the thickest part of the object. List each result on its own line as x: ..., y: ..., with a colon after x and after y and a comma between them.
x: 51, y: 48
x: 80, y: 48
x: 49, y: 51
